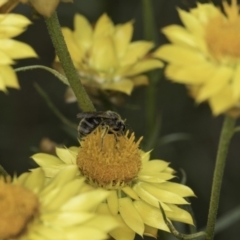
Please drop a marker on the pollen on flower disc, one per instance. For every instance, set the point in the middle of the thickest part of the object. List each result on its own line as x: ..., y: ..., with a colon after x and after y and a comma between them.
x: 108, y: 162
x: 18, y: 206
x: 222, y: 34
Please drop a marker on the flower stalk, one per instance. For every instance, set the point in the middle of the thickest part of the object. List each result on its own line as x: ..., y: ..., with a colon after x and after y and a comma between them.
x: 56, y: 35
x: 225, y: 138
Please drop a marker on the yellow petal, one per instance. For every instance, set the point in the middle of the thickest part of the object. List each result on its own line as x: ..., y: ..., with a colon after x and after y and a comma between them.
x: 73, y: 48
x: 16, y: 49
x: 129, y: 191
x: 178, y: 214
x: 180, y: 36
x: 90, y: 233
x: 143, y: 66
x: 35, y: 180
x: 130, y: 215
x: 151, y: 216
x: 163, y: 195
x: 104, y: 27
x: 141, y: 80
x: 236, y: 83
x: 65, y: 156
x: 145, y: 156
x: 135, y: 51
x: 12, y: 25
x: 214, y: 85
x: 191, y: 22
x: 179, y: 55
x: 8, y: 76
x: 67, y: 190
x: 125, y: 86
x: 82, y: 203
x: 155, y: 166
x: 190, y: 74
x: 5, y: 59
x: 52, y: 170
x: 83, y: 32
x: 103, y: 222
x: 154, y: 177
x: 112, y: 201
x: 122, y: 37
x: 177, y: 188
x: 150, y: 231
x: 149, y: 198
x: 45, y: 160
x: 123, y: 232
x: 66, y: 219
x: 103, y: 56
x: 222, y: 101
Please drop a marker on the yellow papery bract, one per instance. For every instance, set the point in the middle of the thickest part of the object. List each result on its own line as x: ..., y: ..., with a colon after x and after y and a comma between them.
x: 44, y: 159
x: 131, y: 216
x: 103, y: 55
x: 8, y: 77
x: 112, y: 201
x: 66, y: 156
x: 220, y: 79
x: 122, y: 37
x: 15, y: 49
x: 140, y: 80
x: 125, y: 86
x: 136, y: 51
x: 150, y: 215
x: 177, y: 188
x: 75, y: 51
x: 178, y: 214
x: 163, y: 195
x: 83, y: 33
x: 104, y: 27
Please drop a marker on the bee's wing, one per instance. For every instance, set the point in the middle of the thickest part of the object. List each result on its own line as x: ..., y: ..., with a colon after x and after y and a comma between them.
x: 89, y: 114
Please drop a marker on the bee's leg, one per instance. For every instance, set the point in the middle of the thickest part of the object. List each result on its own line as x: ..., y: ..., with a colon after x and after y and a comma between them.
x: 106, y: 128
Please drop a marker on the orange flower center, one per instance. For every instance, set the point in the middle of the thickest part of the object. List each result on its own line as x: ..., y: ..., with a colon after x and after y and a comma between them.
x: 223, y: 33
x: 18, y: 207
x: 110, y: 162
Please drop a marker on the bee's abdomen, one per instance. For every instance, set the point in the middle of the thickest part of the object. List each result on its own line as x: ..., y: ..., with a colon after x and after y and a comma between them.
x: 86, y: 126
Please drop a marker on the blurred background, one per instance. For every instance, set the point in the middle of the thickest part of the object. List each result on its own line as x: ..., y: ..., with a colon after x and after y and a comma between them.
x: 178, y: 130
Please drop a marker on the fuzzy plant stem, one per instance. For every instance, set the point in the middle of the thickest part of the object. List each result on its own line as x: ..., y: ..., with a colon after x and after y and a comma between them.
x: 59, y: 44
x: 225, y: 138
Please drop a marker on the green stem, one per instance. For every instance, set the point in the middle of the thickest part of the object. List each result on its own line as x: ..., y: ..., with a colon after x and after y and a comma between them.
x: 149, y: 34
x: 54, y: 108
x: 225, y: 138
x: 56, y: 35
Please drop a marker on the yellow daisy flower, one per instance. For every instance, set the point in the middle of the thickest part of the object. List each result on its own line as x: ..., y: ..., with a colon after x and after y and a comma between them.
x: 105, y: 57
x: 63, y: 208
x: 136, y: 185
x: 12, y: 25
x: 205, y: 54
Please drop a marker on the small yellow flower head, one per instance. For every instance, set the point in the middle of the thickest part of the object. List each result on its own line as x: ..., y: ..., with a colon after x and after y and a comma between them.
x: 18, y: 207
x: 106, y: 58
x: 12, y: 25
x: 136, y: 185
x: 205, y: 55
x: 120, y: 160
x: 32, y: 207
x: 45, y: 7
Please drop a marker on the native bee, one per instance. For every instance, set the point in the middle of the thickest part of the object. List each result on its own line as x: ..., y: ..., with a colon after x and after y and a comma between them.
x: 110, y: 121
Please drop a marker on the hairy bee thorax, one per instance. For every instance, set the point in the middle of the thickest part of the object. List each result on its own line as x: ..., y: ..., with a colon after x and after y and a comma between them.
x: 108, y: 166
